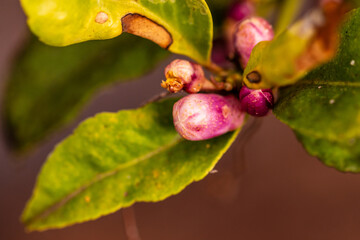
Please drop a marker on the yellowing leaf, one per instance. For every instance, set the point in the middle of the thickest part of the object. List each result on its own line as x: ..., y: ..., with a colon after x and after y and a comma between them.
x: 182, y: 26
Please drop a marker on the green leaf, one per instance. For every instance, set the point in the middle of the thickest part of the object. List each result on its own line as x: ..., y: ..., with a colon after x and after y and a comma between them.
x: 49, y: 86
x: 342, y: 155
x: 288, y: 58
x: 115, y: 159
x: 183, y: 27
x: 275, y: 60
x: 324, y: 107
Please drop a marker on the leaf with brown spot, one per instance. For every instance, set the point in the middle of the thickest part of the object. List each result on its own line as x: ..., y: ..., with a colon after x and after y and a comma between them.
x: 181, y: 26
x: 306, y: 45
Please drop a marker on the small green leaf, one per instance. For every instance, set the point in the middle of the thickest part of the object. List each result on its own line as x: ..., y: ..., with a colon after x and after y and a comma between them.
x: 287, y: 58
x: 275, y: 60
x: 324, y: 107
x: 49, y: 85
x: 342, y: 155
x: 115, y: 159
x: 183, y: 27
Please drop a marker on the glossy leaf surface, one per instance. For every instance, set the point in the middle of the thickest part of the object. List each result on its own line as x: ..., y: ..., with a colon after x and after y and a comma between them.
x: 324, y: 107
x: 182, y: 26
x: 342, y: 155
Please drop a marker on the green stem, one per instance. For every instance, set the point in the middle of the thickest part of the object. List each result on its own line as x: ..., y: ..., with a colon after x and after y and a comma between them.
x: 214, y: 68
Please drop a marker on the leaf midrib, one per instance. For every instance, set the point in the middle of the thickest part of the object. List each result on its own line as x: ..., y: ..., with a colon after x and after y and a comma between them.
x: 48, y: 211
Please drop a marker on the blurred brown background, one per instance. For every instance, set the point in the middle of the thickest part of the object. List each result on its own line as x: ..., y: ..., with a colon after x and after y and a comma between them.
x: 267, y: 187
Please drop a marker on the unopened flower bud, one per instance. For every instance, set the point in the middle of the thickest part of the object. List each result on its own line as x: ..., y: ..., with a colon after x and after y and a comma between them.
x: 182, y: 74
x: 256, y: 102
x: 204, y: 116
x: 248, y: 34
x: 241, y: 10
x: 237, y: 13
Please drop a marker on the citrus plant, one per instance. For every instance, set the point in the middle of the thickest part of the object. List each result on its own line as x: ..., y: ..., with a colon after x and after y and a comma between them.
x: 241, y: 59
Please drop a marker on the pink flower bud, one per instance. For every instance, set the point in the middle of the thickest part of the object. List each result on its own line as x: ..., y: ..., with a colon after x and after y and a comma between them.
x: 182, y: 74
x: 204, y: 116
x: 248, y: 33
x: 237, y: 13
x: 241, y: 10
x: 256, y: 102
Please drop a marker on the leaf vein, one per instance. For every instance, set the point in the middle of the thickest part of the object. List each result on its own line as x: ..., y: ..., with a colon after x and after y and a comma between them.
x: 46, y: 212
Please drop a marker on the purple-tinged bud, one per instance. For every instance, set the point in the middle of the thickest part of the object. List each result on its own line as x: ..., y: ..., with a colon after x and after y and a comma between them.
x: 182, y: 74
x: 204, y: 116
x: 248, y: 33
x: 236, y: 13
x: 256, y: 102
x: 241, y: 10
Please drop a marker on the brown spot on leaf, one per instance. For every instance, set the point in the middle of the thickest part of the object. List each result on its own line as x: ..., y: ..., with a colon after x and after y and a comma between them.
x: 101, y: 17
x: 143, y: 27
x: 254, y: 77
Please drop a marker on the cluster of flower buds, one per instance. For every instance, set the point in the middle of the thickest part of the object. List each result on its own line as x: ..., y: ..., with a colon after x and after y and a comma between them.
x: 248, y: 33
x: 201, y: 116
